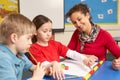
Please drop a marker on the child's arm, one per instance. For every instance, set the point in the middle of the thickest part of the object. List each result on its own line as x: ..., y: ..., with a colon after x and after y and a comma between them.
x: 38, y: 72
x: 57, y: 71
x: 116, y: 64
x: 89, y: 61
x: 54, y: 69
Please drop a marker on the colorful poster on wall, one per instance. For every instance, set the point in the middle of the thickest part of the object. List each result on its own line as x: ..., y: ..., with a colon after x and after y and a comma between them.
x: 8, y: 6
x: 102, y: 11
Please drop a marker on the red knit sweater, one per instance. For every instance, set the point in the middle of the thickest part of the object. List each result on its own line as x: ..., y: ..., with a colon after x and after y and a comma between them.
x: 52, y: 52
x: 99, y: 47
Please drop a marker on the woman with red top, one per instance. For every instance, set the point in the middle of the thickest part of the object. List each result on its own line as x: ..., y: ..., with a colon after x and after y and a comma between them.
x: 48, y: 51
x: 89, y: 38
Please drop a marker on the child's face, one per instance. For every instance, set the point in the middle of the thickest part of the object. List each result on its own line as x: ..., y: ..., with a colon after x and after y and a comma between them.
x: 44, y: 33
x: 23, y: 43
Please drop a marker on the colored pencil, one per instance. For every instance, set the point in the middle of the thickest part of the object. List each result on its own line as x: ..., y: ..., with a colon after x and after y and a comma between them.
x: 32, y: 57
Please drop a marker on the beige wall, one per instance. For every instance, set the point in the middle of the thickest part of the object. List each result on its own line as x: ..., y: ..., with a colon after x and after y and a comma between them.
x: 64, y: 37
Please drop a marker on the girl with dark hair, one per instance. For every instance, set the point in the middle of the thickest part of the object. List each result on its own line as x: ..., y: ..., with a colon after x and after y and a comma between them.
x: 48, y: 51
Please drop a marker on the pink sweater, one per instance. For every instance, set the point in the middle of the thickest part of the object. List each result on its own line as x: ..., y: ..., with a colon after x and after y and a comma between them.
x: 99, y: 47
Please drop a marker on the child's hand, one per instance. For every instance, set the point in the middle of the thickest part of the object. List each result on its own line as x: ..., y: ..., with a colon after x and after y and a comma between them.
x: 49, y: 71
x: 116, y: 64
x: 90, y: 60
x: 57, y: 71
x: 39, y: 72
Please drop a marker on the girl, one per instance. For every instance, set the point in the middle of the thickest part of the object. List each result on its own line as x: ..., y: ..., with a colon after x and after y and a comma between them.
x: 49, y: 51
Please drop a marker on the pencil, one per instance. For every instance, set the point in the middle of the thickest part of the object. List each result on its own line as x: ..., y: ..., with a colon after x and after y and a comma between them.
x: 93, y: 70
x: 32, y: 57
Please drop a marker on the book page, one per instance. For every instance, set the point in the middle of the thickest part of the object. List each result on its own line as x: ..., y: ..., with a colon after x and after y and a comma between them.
x: 76, y: 68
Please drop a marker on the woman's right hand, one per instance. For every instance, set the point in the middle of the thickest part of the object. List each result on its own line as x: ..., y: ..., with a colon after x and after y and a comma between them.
x: 90, y: 60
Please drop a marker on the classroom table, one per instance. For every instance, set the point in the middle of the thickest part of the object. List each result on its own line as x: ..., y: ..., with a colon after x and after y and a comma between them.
x: 105, y: 72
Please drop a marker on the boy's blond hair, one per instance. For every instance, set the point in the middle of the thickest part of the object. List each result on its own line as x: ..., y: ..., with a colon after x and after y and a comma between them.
x: 15, y: 23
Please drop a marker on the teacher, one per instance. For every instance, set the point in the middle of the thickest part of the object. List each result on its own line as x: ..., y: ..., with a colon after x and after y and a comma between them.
x: 90, y: 38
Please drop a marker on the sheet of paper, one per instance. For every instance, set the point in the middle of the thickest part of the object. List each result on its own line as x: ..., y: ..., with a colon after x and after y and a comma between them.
x: 76, y: 68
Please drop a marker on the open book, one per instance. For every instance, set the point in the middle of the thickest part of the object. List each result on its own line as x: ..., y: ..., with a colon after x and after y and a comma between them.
x: 76, y: 68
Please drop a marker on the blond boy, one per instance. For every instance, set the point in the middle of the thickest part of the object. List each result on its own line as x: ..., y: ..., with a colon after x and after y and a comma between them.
x: 16, y: 32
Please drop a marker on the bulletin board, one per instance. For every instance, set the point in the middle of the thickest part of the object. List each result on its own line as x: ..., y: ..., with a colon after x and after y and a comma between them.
x: 102, y: 11
x: 8, y: 6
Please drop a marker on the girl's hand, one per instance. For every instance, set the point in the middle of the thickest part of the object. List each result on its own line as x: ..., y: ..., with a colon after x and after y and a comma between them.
x: 57, y: 71
x: 90, y: 60
x: 39, y: 72
x: 116, y: 64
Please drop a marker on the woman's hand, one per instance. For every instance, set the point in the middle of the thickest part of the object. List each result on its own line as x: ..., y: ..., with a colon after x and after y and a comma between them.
x: 90, y: 60
x: 57, y: 71
x: 116, y: 64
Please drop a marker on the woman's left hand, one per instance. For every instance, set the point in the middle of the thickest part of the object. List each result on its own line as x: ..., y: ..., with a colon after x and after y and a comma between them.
x: 116, y: 64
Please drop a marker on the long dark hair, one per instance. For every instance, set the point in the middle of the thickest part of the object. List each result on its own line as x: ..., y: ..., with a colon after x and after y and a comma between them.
x: 39, y: 21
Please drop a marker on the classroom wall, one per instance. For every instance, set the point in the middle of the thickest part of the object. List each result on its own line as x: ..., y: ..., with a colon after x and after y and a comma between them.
x: 65, y: 36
